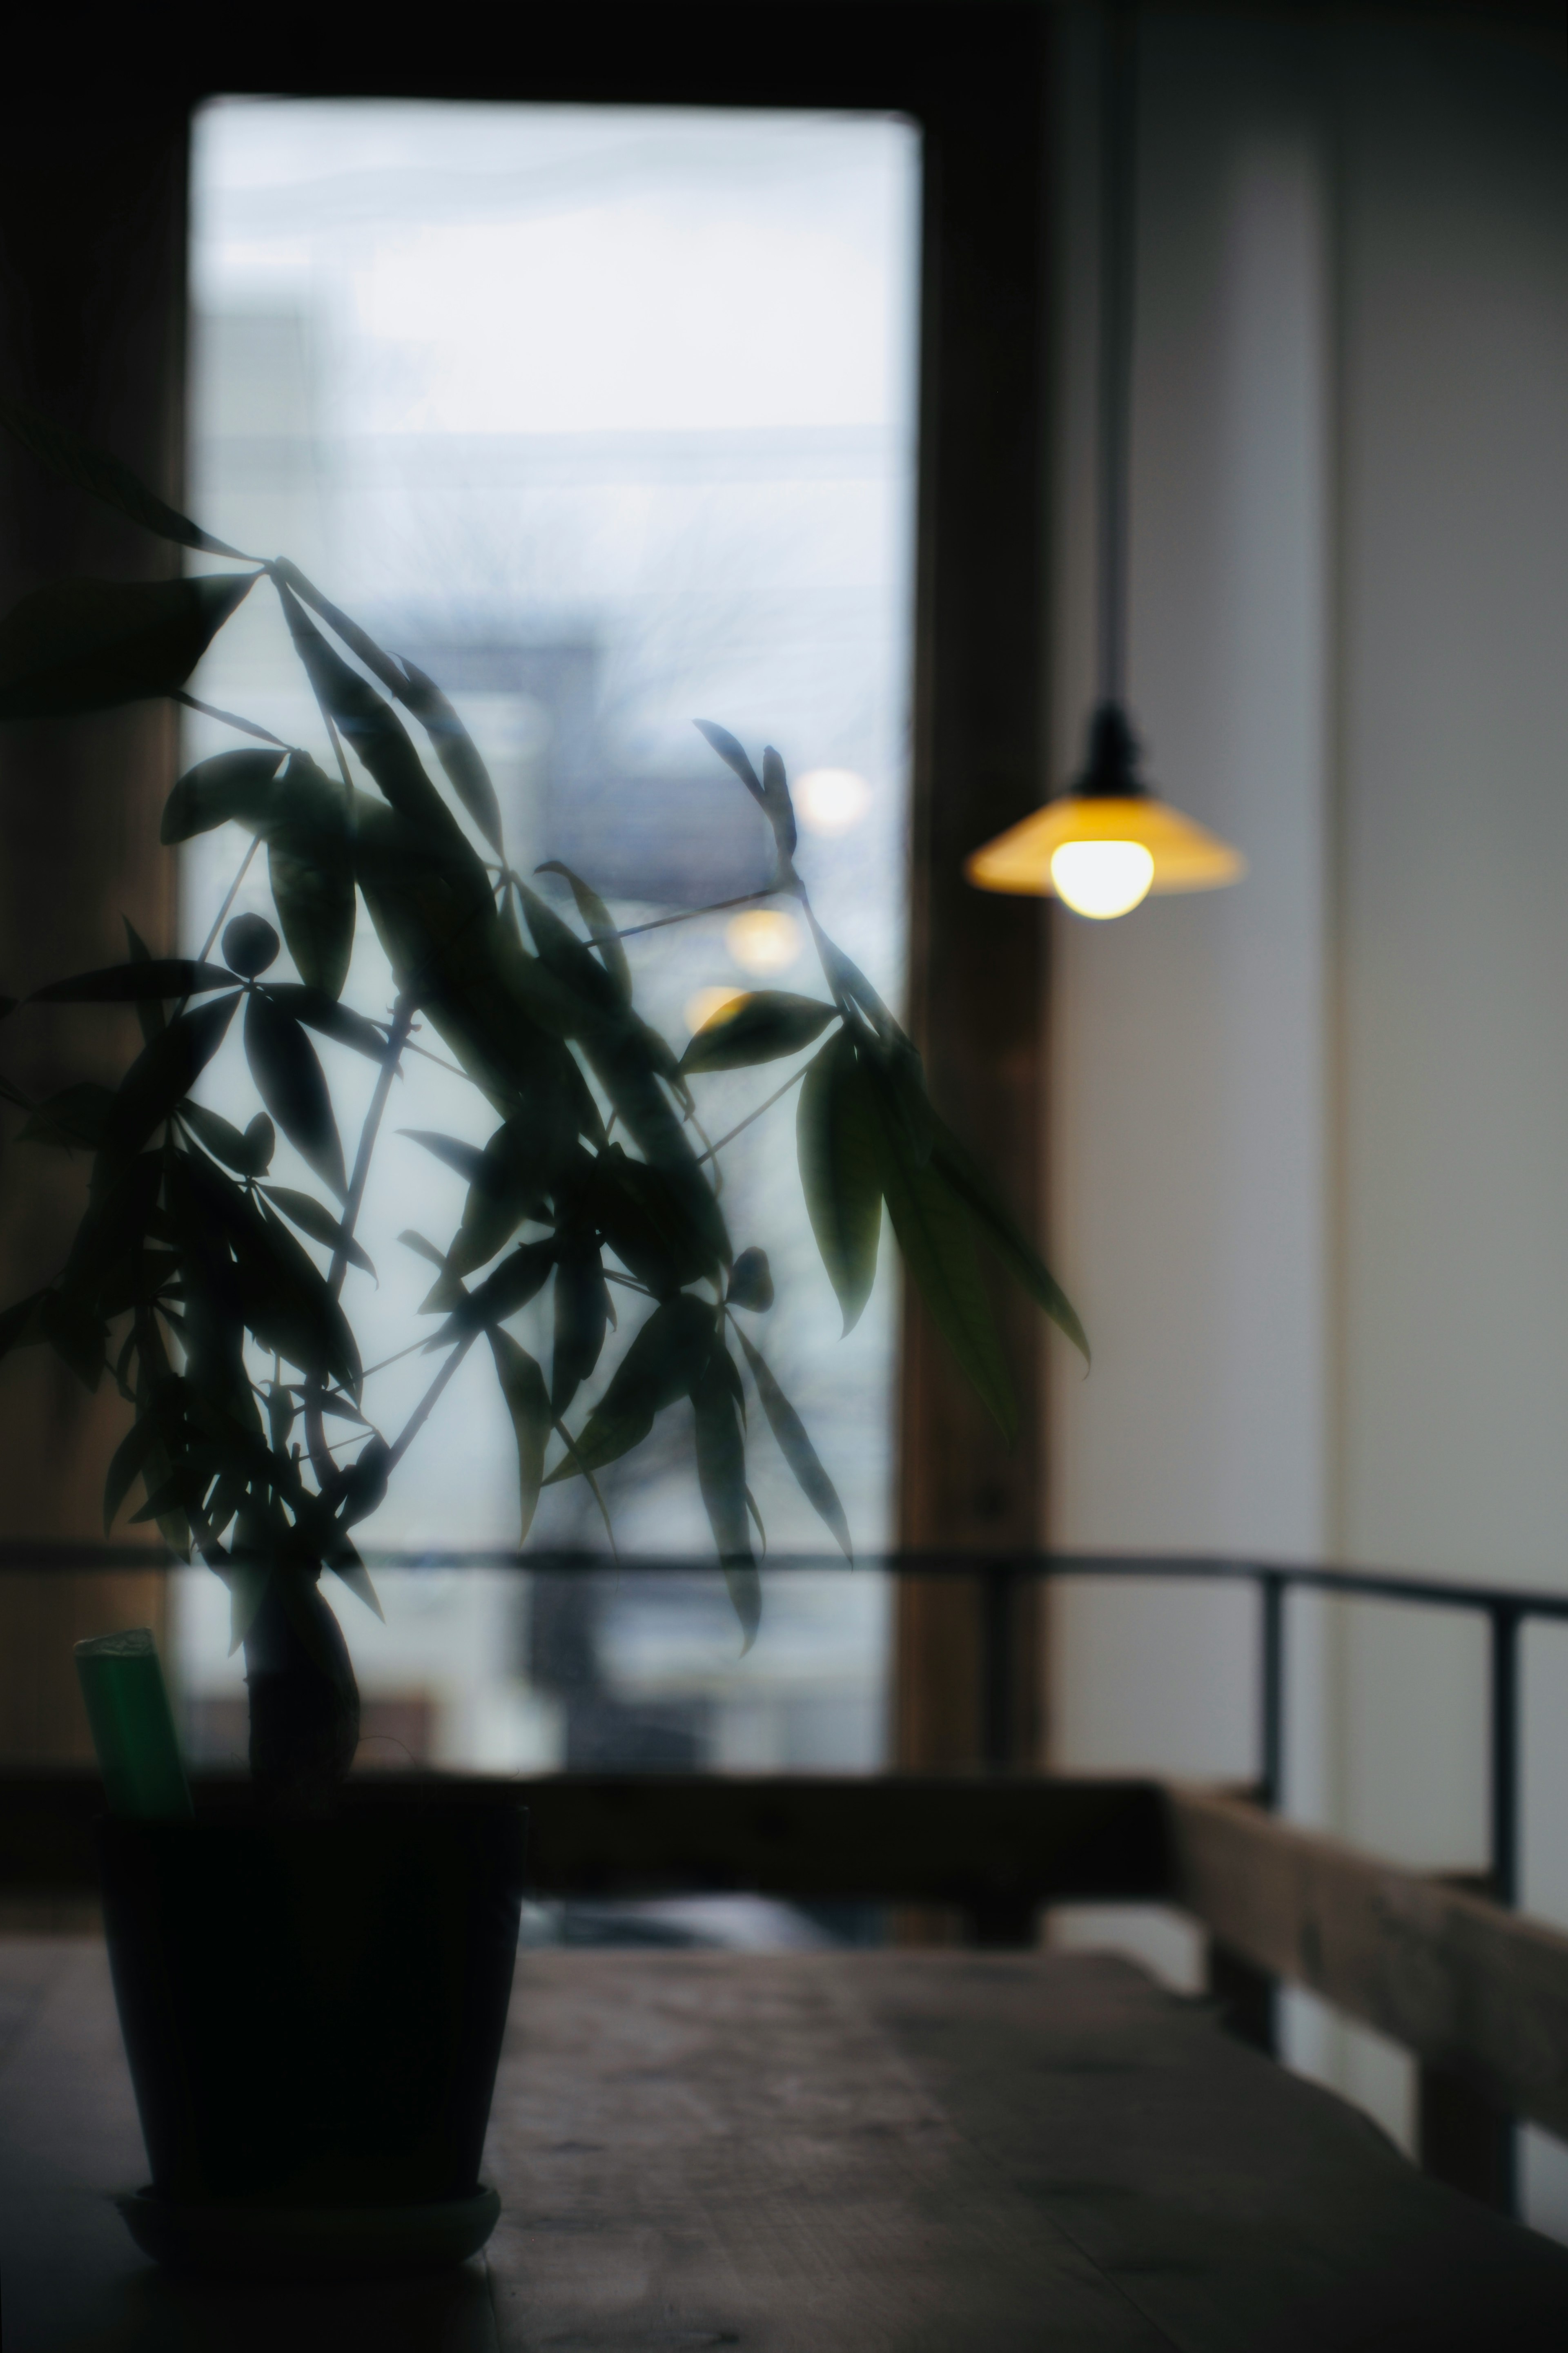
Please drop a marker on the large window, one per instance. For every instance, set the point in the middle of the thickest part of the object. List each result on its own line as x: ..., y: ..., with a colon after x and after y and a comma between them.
x: 606, y: 416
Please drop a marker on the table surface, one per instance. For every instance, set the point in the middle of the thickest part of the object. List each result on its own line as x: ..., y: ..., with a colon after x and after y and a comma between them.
x: 924, y: 2152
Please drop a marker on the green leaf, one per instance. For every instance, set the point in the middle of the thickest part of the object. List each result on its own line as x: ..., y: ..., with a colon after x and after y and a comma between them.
x: 127, y: 984
x: 659, y: 1366
x: 936, y: 1236
x: 343, y: 1409
x: 346, y: 1562
x: 248, y: 1584
x: 288, y: 1305
x: 456, y: 750
x: 509, y: 1180
x: 279, y: 1416
x: 528, y: 1402
x: 601, y: 927
x: 125, y: 1465
x: 162, y: 1076
x: 113, y: 1225
x: 1001, y: 1230
x: 417, y: 1243
x: 260, y: 1143
x: 646, y: 1221
x: 848, y: 980
x: 319, y: 1223
x: 249, y: 945
x: 225, y: 1142
x: 721, y: 1475
x: 467, y: 1159
x: 758, y: 1026
x: 733, y: 754
x: 360, y: 642
x: 314, y: 896
x: 516, y: 1280
x: 797, y: 1449
x: 835, y: 1144
x: 752, y: 1284
x: 777, y: 803
x: 363, y: 1486
x: 582, y: 1312
x: 233, y: 785
x: 150, y: 1009
x: 181, y: 1492
x: 229, y: 719
x: 562, y: 954
x: 89, y: 645
x: 224, y: 1500
x: 375, y: 734
x: 140, y: 1277
x: 290, y: 1078
x: 73, y: 1119
x: 106, y: 478
x: 332, y: 1019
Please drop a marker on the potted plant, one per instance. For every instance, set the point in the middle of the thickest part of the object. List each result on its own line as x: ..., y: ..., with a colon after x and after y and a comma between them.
x: 314, y: 1996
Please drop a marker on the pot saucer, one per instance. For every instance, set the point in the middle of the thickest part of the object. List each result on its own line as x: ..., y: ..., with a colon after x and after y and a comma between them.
x: 238, y: 2239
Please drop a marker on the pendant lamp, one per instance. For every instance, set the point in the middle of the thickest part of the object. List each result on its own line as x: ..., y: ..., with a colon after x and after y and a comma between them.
x: 1107, y: 841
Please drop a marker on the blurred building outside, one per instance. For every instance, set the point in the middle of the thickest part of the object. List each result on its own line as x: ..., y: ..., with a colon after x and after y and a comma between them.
x: 603, y: 417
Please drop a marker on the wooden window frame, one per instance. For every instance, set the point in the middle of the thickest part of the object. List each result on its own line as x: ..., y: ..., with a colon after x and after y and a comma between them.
x: 975, y: 80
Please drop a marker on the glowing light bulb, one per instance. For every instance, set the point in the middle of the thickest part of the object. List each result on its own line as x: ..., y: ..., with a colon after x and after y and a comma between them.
x: 767, y: 940
x: 705, y: 1003
x: 831, y: 801
x: 1102, y: 879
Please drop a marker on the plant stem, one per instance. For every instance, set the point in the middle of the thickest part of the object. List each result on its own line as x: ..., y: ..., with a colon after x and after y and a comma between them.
x: 233, y: 892
x: 397, y: 1038
x: 402, y: 1020
x: 429, y: 1056
x: 231, y: 719
x: 689, y: 914
x: 565, y: 1435
x: 751, y: 1116
x: 413, y: 1346
x: 421, y: 1412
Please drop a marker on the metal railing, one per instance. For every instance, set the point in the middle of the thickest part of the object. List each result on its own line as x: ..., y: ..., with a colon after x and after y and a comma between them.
x: 1505, y: 1608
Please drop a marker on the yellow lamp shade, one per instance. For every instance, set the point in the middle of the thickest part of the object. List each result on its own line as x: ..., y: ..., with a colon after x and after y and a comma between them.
x: 1183, y: 855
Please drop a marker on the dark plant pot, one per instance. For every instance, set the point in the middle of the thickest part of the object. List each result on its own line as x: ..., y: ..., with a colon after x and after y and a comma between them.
x: 314, y: 2010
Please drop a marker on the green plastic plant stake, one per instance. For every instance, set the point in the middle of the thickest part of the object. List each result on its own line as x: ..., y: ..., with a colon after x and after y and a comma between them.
x: 133, y: 1725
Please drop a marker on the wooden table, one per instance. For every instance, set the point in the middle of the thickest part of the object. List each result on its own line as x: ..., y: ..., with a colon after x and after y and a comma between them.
x: 918, y: 2152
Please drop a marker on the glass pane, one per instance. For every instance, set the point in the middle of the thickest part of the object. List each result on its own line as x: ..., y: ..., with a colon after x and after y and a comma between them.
x: 605, y: 418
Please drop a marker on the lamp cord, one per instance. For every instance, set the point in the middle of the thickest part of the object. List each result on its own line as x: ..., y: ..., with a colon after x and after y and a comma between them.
x: 1118, y: 105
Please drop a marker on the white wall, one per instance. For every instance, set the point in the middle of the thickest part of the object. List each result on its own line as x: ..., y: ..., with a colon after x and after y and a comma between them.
x: 1187, y: 1143
x: 1310, y: 1137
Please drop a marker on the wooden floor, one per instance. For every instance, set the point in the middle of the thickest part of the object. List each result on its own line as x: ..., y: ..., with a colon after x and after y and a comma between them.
x: 920, y: 2152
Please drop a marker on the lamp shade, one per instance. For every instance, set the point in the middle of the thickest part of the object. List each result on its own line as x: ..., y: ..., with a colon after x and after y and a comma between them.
x: 1187, y: 857
x: 1108, y: 842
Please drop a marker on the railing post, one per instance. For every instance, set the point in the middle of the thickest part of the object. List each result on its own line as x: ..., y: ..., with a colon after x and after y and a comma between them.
x: 1460, y: 2137
x: 1248, y: 1996
x: 1006, y: 1924
x: 1271, y: 1777
x: 1505, y: 1621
